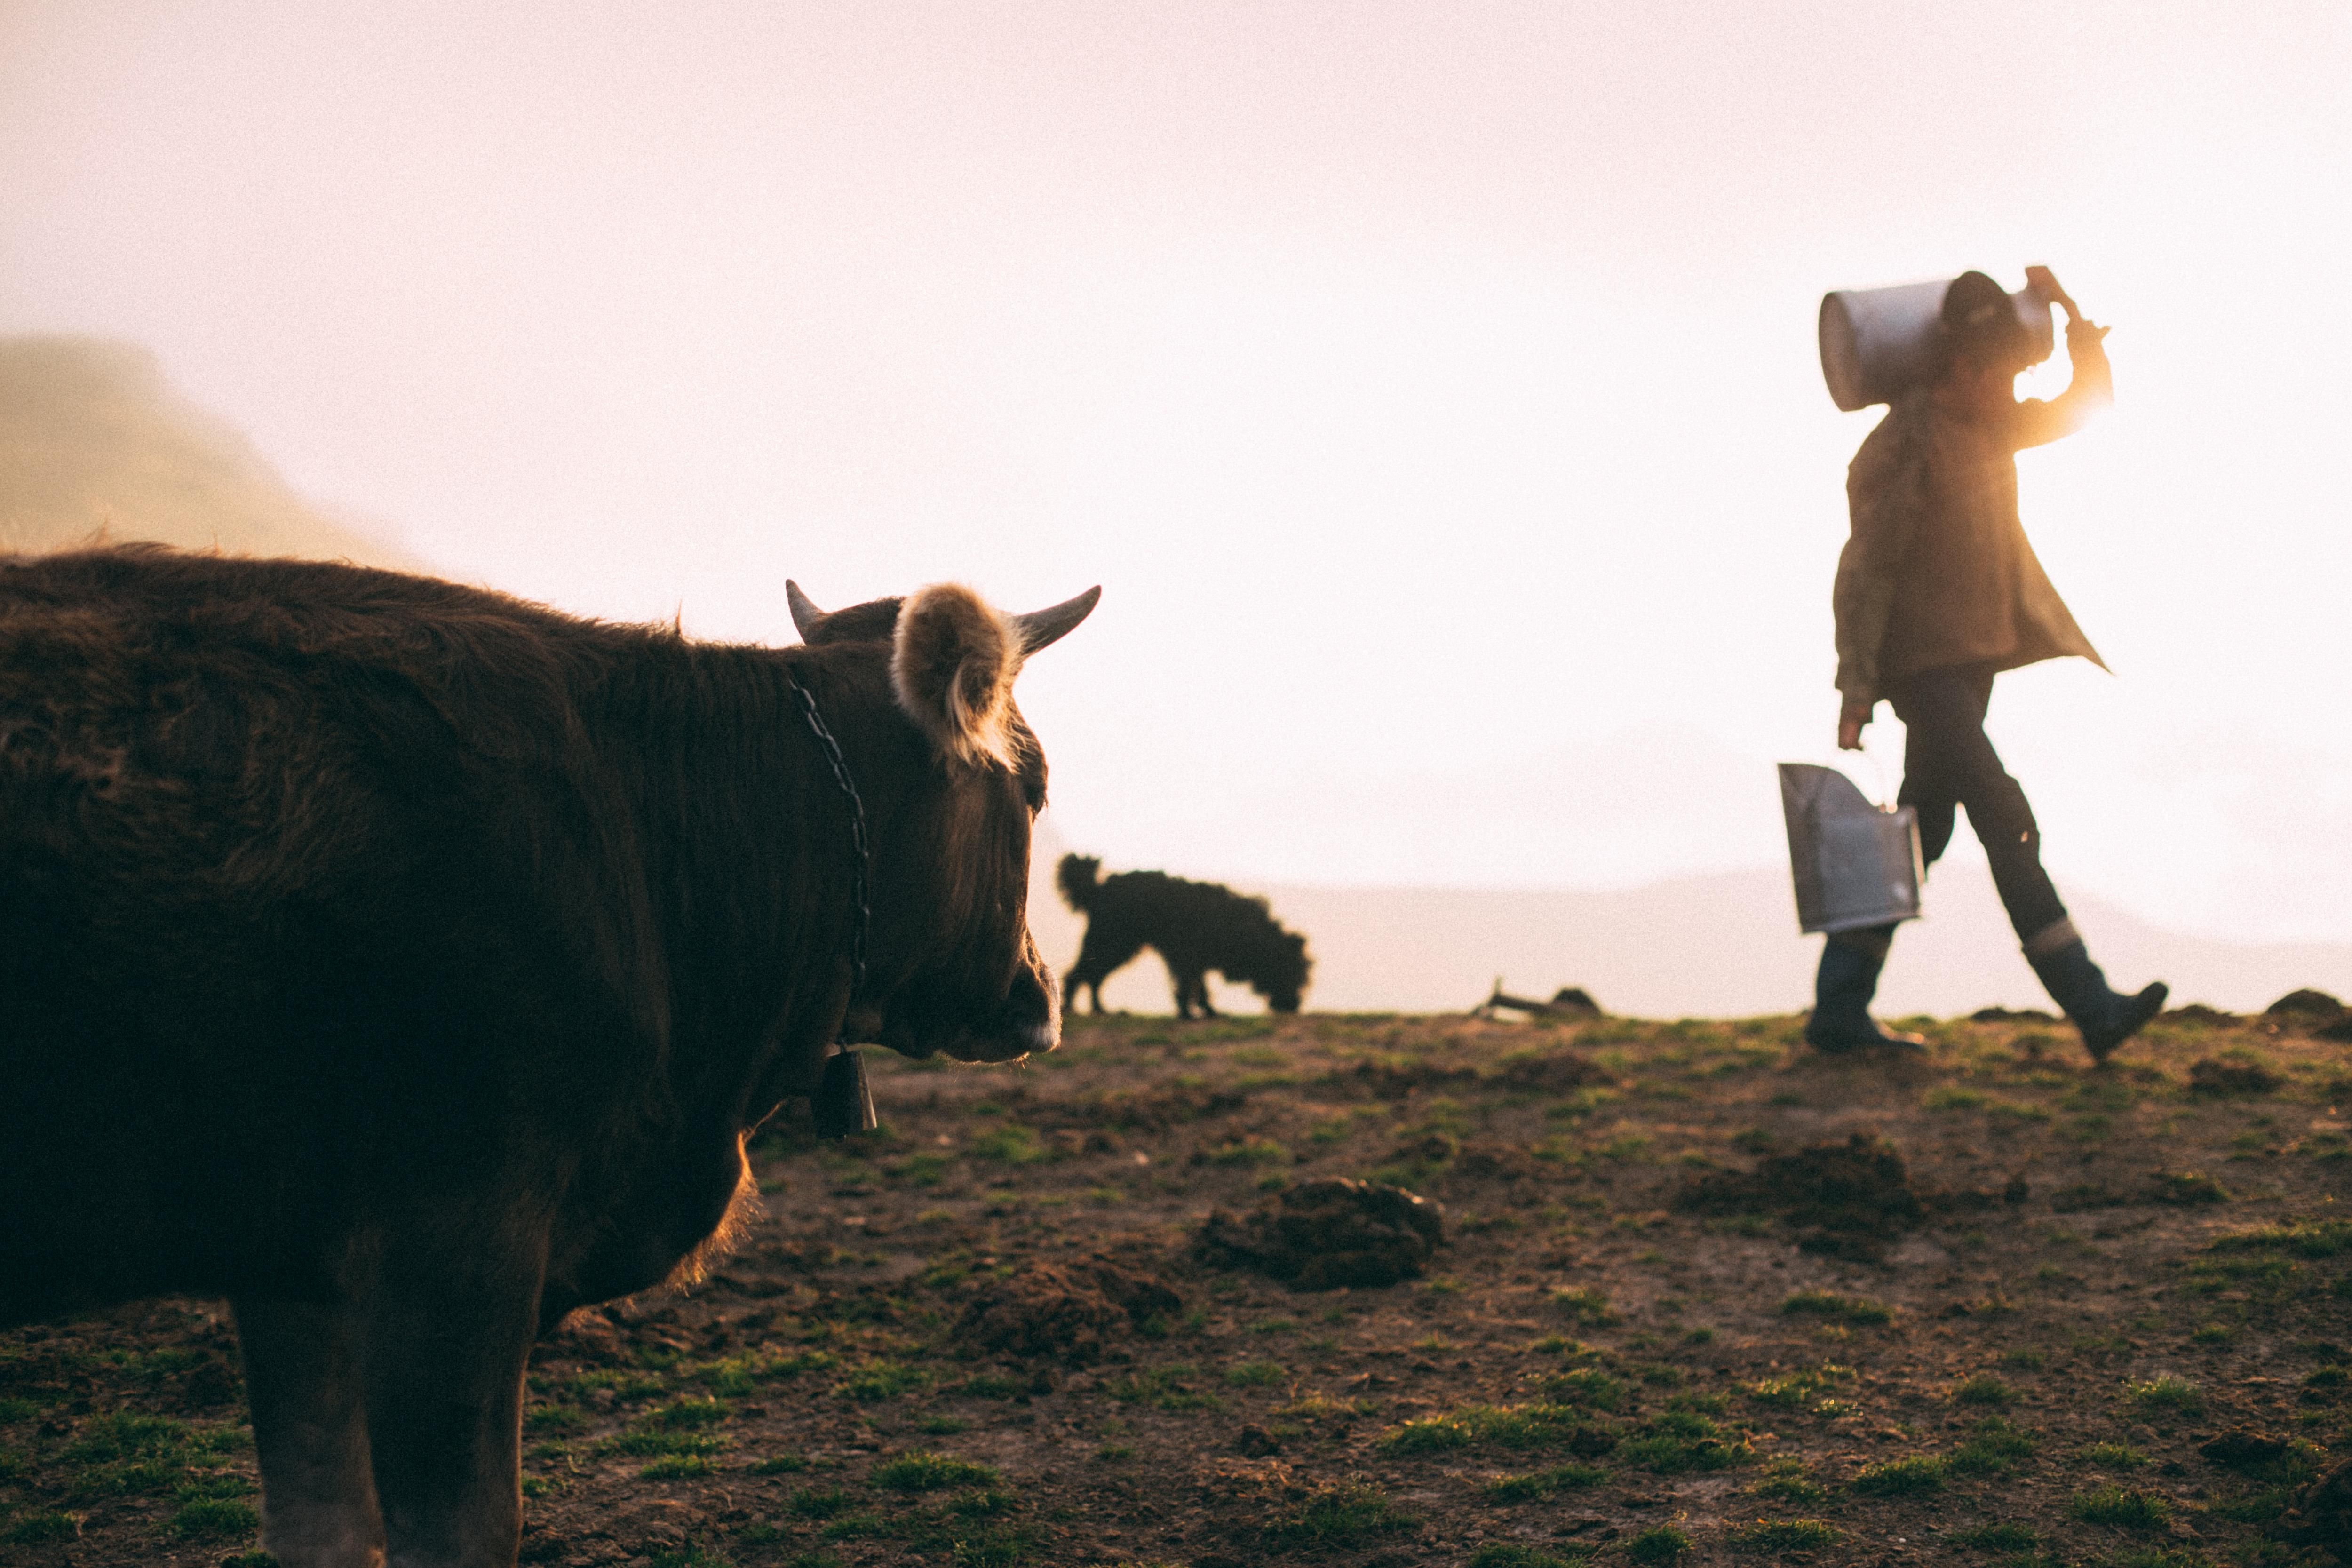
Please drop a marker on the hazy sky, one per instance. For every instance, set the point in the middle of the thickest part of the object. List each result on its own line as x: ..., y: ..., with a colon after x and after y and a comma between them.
x: 1432, y: 388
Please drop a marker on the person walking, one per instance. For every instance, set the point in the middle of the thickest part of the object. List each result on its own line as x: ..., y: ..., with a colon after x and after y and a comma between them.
x: 1936, y: 593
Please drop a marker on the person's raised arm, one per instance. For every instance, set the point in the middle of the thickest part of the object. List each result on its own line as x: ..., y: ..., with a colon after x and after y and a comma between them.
x: 2091, y: 386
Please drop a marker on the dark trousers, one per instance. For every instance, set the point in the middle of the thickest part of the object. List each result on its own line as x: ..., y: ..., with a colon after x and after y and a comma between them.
x: 1948, y: 763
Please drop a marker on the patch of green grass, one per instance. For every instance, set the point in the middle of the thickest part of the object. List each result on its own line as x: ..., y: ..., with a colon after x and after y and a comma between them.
x: 628, y: 1387
x: 1586, y: 1386
x: 1250, y: 1152
x: 942, y: 1425
x: 13, y: 1410
x: 1537, y: 1484
x: 1339, y: 1516
x: 658, y: 1445
x: 1992, y: 1447
x: 1855, y: 1310
x: 1776, y: 1535
x: 1950, y: 1097
x: 781, y: 1464
x: 1996, y: 1538
x: 917, y: 1471
x: 211, y: 1517
x: 1795, y: 1390
x: 1515, y: 1426
x: 555, y: 1418
x: 2304, y: 1237
x: 2120, y: 1507
x: 1659, y: 1543
x: 1679, y: 1442
x: 1166, y: 1388
x: 879, y: 1379
x: 687, y: 1415
x: 1504, y: 1554
x: 1911, y: 1476
x: 989, y: 1385
x: 1584, y: 1306
x: 677, y: 1467
x: 816, y: 1502
x: 1786, y: 1479
x: 2165, y: 1395
x: 1255, y: 1375
x: 858, y: 1526
x: 122, y: 1434
x: 2113, y: 1455
x: 39, y: 1527
x: 693, y: 1554
x: 1011, y: 1143
x: 997, y: 1549
x: 920, y: 1170
x: 1984, y: 1389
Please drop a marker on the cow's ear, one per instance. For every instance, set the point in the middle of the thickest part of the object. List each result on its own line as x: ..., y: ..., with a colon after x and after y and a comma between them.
x: 952, y: 661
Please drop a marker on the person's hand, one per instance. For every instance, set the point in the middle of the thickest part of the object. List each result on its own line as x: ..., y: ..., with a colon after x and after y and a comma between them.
x: 2044, y: 282
x: 1851, y: 718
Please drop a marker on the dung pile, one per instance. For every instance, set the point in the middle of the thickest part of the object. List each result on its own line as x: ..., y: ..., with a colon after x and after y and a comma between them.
x: 2320, y: 1515
x: 1853, y: 1199
x: 1555, y: 1071
x: 1068, y: 1311
x: 2221, y: 1079
x: 1328, y: 1234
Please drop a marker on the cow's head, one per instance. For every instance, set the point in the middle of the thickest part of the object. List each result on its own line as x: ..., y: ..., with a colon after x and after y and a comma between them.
x: 952, y: 788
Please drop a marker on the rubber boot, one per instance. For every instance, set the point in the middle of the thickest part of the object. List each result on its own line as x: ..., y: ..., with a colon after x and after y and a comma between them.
x: 1843, y: 988
x: 2106, y: 1017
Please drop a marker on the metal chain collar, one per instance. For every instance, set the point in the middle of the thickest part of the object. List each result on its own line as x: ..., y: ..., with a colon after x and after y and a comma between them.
x: 832, y: 749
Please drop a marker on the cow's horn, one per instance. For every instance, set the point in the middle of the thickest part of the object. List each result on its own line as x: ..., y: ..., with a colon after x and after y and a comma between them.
x: 806, y: 614
x: 1039, y: 627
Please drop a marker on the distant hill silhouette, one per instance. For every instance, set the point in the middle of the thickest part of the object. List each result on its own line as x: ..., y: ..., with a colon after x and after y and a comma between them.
x: 1716, y: 946
x: 95, y: 442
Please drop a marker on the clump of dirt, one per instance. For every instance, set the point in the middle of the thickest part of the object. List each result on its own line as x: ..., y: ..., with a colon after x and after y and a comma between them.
x: 1069, y: 1312
x: 1395, y: 1080
x: 2012, y: 1016
x: 2219, y: 1078
x: 1156, y: 1110
x: 1851, y: 1200
x: 2321, y: 1515
x: 2198, y: 1013
x: 2306, y: 1006
x: 1324, y: 1234
x: 1502, y: 1163
x: 2243, y: 1448
x: 2187, y: 1189
x: 1554, y: 1071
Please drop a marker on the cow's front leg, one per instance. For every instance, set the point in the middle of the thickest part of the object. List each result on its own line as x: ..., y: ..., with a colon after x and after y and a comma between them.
x: 445, y: 1409
x: 304, y: 1377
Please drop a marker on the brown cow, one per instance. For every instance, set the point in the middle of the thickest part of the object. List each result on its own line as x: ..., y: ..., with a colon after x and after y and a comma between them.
x: 407, y: 964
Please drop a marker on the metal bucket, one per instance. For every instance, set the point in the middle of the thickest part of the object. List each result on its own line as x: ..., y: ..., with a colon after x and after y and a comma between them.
x: 1877, y: 343
x: 1855, y: 865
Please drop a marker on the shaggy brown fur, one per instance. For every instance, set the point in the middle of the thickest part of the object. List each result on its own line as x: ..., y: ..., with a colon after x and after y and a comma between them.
x: 1193, y: 926
x: 405, y: 963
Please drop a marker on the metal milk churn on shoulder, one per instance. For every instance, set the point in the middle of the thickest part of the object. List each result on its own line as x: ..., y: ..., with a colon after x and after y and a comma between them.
x: 1856, y: 865
x: 1877, y: 343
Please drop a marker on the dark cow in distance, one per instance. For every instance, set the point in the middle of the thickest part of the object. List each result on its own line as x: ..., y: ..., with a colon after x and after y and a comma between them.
x: 407, y: 964
x: 1193, y: 926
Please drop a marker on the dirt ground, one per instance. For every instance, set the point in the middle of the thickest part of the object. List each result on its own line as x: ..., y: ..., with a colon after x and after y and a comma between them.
x: 1701, y: 1296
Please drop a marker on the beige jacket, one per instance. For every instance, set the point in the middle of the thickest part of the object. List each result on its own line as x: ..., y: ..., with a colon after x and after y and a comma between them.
x: 1937, y: 571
